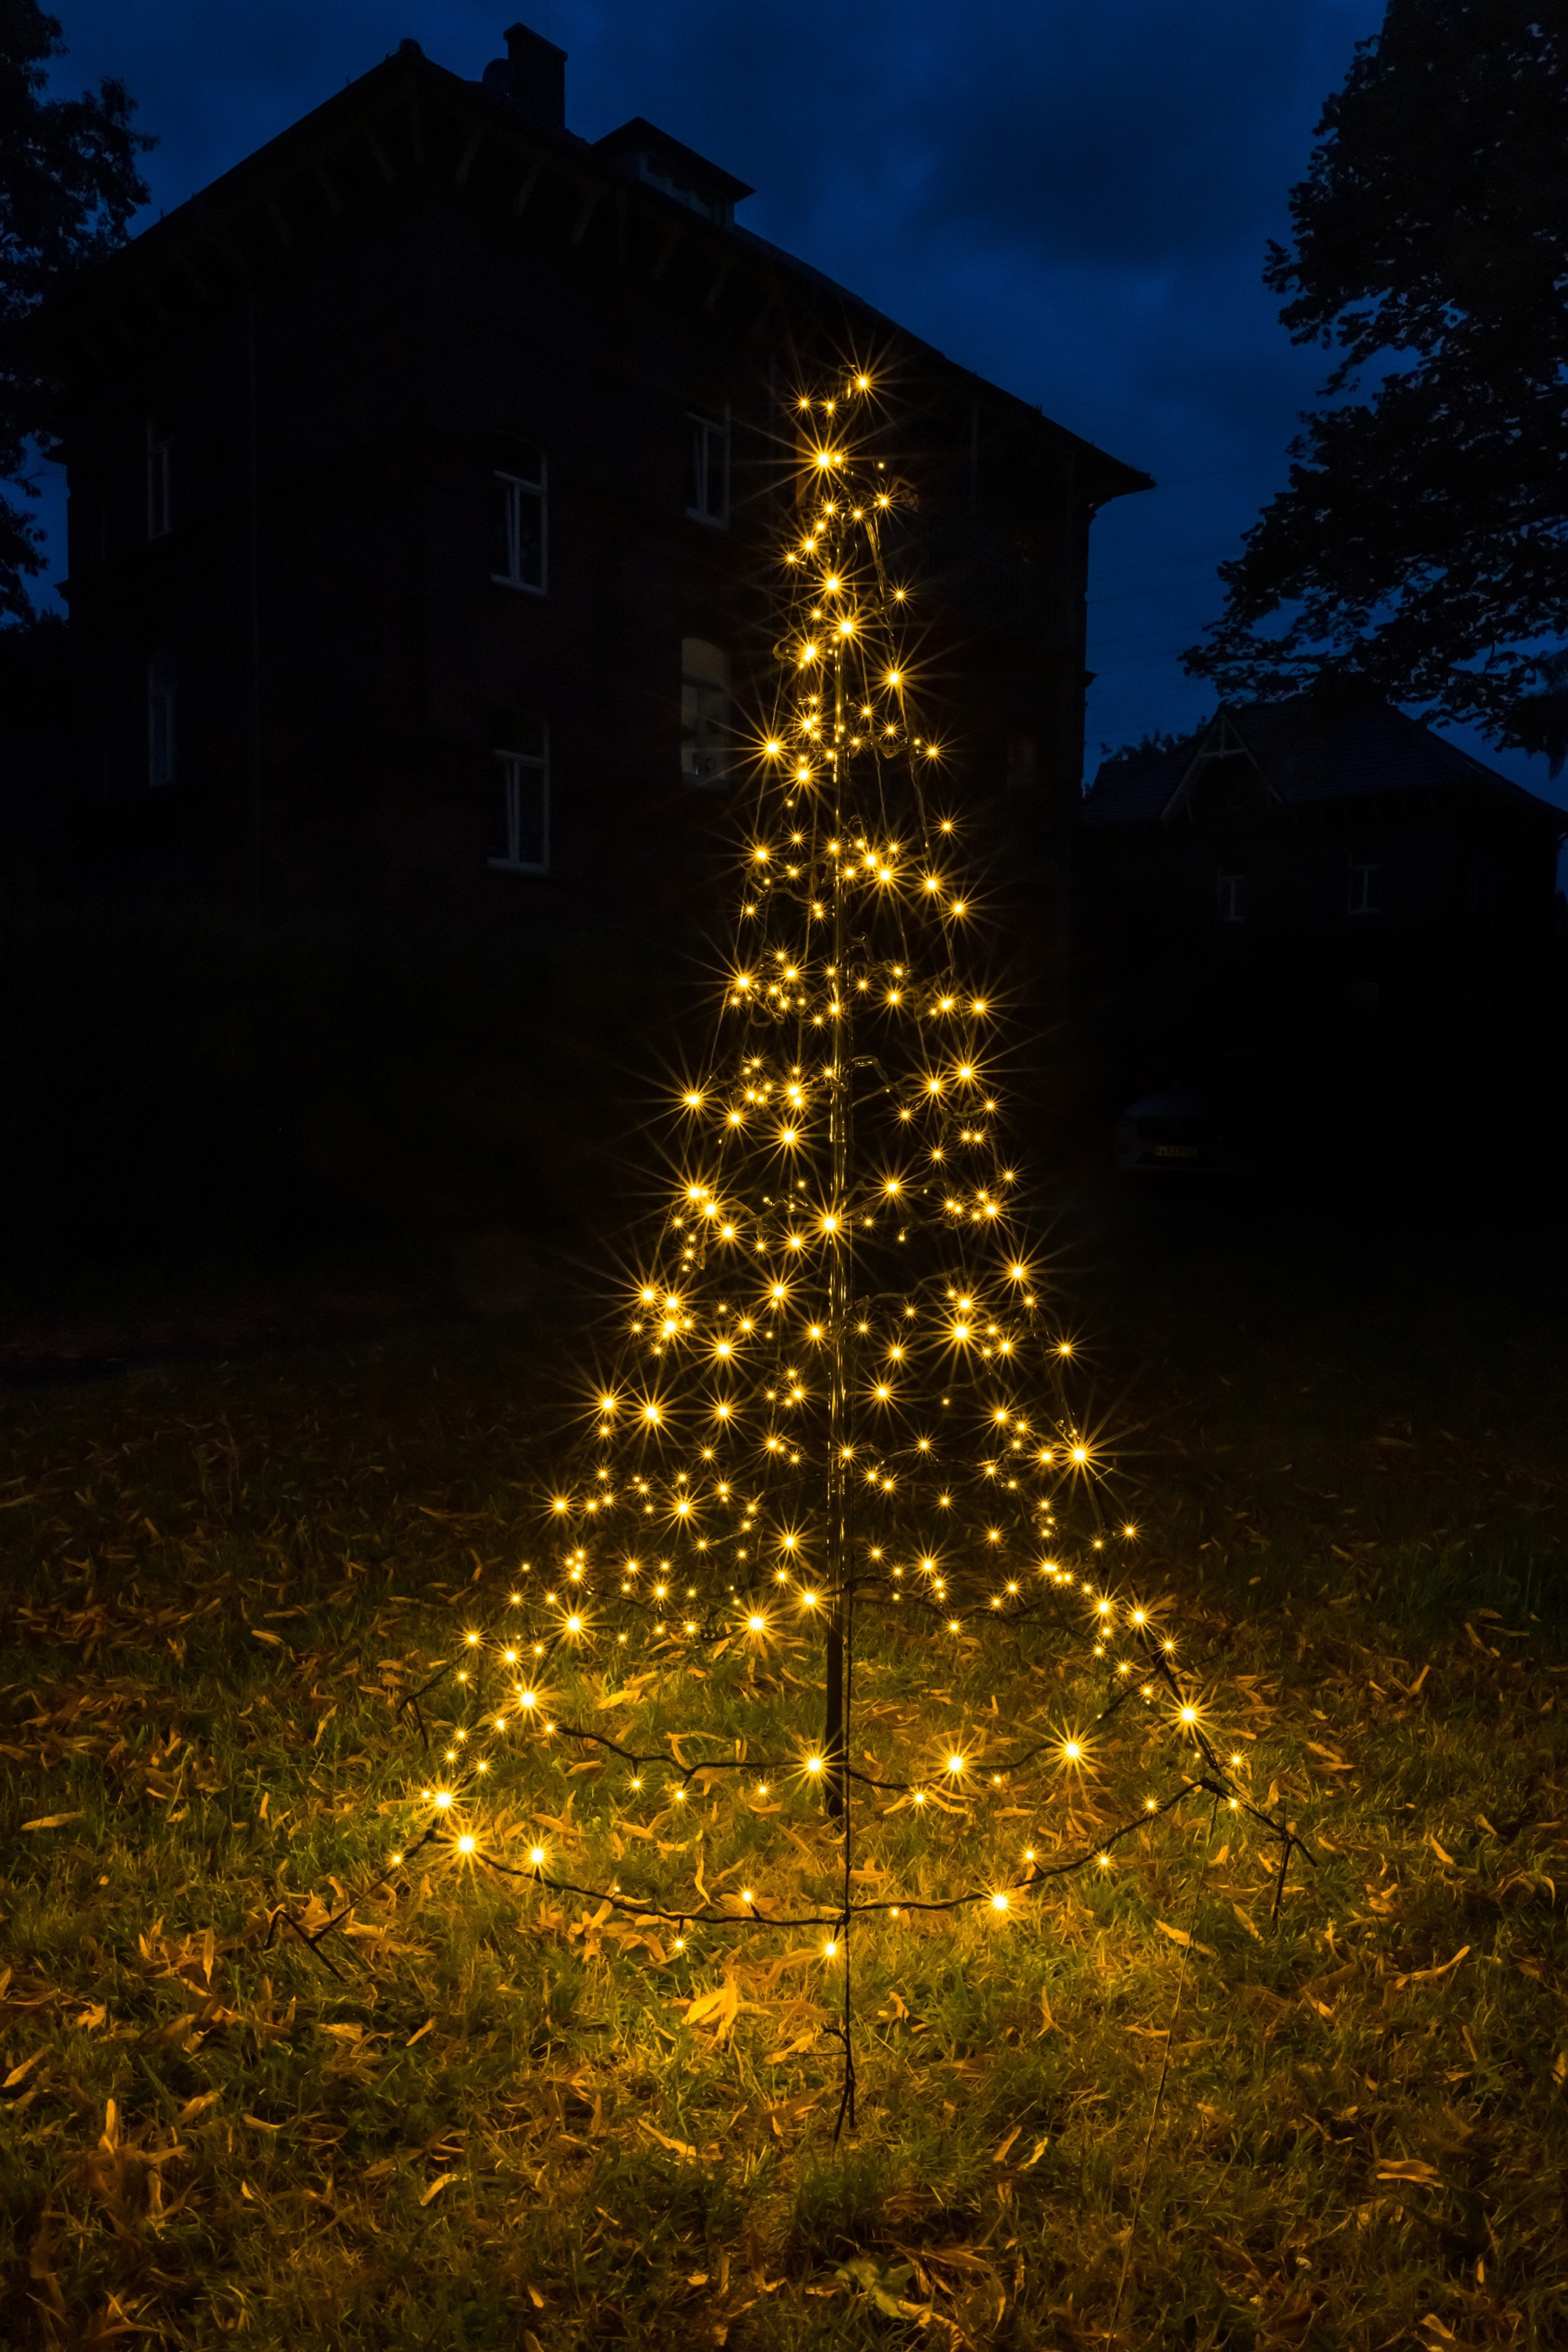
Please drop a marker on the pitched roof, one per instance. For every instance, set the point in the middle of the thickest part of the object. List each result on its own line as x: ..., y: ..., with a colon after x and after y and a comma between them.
x: 382, y: 128
x: 1307, y: 756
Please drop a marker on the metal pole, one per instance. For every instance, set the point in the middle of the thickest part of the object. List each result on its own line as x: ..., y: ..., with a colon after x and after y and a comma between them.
x: 840, y: 1564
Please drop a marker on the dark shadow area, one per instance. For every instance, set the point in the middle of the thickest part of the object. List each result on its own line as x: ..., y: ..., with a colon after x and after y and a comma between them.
x: 217, y: 1137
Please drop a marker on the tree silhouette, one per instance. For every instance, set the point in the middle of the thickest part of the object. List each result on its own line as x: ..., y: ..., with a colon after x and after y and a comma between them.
x: 1418, y: 549
x: 68, y: 184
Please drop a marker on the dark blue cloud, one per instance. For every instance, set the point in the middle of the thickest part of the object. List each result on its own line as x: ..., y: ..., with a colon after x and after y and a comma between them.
x: 1073, y: 196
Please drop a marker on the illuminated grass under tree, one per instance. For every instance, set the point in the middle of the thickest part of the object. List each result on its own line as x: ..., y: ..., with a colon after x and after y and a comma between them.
x: 838, y: 1424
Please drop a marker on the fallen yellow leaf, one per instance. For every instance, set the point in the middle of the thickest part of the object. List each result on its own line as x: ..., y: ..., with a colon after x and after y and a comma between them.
x: 1180, y: 1935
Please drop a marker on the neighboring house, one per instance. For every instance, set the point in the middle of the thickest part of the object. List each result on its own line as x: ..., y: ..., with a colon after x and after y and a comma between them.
x: 1295, y: 876
x: 424, y: 472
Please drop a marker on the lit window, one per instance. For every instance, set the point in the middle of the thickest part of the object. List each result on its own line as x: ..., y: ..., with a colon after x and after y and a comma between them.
x: 517, y: 553
x: 161, y: 719
x: 704, y: 711
x: 1233, y: 898
x: 708, y: 468
x: 522, y: 836
x: 159, y: 512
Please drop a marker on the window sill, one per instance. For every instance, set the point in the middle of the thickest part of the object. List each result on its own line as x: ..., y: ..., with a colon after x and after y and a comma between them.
x: 513, y: 865
x: 522, y: 587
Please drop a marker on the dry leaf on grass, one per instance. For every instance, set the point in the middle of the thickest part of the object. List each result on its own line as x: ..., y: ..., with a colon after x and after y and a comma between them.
x: 716, y: 2012
x: 1424, y: 1975
x: 1180, y: 1935
x: 440, y: 2182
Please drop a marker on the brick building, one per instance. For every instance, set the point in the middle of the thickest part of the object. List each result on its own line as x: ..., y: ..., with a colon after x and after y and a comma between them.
x: 421, y: 474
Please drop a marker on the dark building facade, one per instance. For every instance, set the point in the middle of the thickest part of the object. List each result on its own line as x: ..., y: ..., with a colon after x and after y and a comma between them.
x: 1297, y: 877
x: 422, y: 472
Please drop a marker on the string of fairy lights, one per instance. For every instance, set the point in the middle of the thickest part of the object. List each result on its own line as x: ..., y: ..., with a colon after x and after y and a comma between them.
x: 839, y: 1396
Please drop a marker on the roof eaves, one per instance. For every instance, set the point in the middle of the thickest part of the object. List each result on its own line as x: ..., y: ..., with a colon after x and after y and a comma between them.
x: 306, y: 145
x: 1121, y: 477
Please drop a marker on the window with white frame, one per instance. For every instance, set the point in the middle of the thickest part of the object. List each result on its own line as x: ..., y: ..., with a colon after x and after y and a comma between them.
x: 522, y: 806
x: 1233, y: 898
x: 704, y: 711
x: 708, y: 468
x: 517, y: 558
x: 1363, y: 894
x: 161, y: 719
x: 160, y: 461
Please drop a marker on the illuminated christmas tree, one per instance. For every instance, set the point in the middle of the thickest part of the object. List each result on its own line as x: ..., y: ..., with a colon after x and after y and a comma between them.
x: 836, y: 1436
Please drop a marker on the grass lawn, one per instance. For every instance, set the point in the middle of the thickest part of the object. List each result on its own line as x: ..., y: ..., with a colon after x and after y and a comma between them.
x: 501, y: 2122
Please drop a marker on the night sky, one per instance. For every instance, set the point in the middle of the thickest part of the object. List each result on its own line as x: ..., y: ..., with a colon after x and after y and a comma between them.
x: 1072, y: 199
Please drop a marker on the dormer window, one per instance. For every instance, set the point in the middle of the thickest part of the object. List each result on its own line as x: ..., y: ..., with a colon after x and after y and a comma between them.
x: 647, y: 168
x: 651, y: 155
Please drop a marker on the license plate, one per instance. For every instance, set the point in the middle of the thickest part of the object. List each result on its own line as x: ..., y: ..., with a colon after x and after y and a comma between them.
x: 1175, y: 1151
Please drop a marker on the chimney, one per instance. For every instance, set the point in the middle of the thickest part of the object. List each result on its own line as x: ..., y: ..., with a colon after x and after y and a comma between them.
x: 537, y: 71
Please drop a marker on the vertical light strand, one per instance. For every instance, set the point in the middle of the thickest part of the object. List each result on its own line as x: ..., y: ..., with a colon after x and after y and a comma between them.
x: 840, y: 1407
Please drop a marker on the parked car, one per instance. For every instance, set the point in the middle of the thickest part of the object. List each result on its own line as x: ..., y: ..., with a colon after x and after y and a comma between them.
x: 1190, y: 1132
